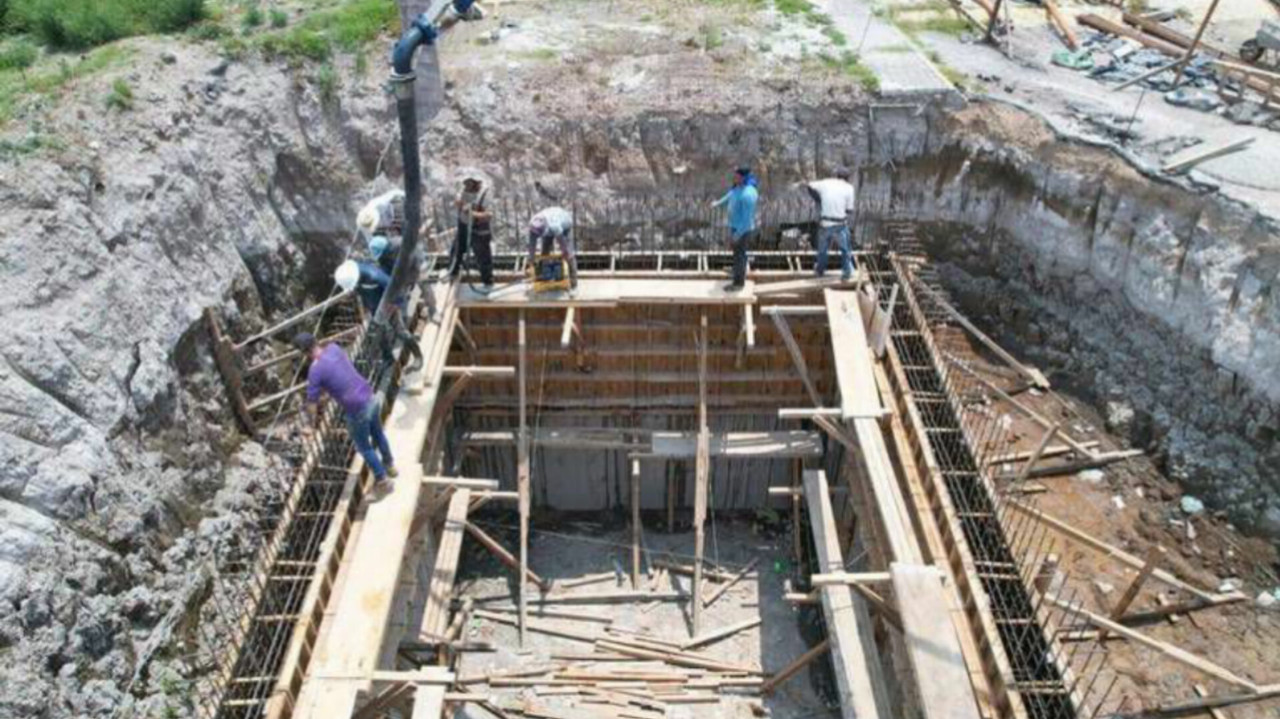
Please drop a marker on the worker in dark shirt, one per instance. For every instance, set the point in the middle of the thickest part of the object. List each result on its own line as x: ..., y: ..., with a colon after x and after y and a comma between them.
x: 370, y: 283
x: 332, y: 373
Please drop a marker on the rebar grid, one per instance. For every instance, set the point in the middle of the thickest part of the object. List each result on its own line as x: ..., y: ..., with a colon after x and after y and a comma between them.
x: 963, y: 432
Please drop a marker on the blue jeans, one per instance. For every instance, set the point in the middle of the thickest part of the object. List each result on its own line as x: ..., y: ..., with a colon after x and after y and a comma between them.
x: 365, y: 428
x: 841, y: 234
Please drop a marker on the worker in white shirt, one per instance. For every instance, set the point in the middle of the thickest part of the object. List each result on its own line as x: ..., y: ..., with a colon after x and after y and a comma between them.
x: 835, y: 198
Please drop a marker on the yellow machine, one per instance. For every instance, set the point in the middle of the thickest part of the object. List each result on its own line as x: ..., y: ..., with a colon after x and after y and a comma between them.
x: 550, y: 273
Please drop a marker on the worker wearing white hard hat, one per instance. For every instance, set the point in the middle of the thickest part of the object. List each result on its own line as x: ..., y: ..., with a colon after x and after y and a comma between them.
x: 379, y: 214
x: 370, y: 283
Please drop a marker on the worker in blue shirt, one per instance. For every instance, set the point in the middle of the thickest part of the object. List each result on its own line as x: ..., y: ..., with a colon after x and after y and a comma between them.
x: 370, y: 282
x: 741, y: 199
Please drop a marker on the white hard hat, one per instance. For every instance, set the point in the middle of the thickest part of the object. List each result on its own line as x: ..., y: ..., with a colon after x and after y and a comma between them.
x: 347, y: 275
x: 368, y: 218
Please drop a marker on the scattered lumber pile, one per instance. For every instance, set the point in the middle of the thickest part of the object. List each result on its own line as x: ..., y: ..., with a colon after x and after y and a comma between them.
x: 627, y: 675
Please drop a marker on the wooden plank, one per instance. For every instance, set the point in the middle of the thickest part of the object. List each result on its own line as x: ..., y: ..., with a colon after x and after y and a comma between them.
x: 566, y: 334
x: 842, y: 578
x: 635, y: 524
x: 1036, y: 453
x: 719, y: 592
x: 702, y: 471
x: 763, y: 445
x: 795, y: 666
x: 461, y: 482
x: 598, y: 598
x: 859, y: 396
x: 1033, y: 375
x: 856, y: 671
x: 811, y: 284
x: 1121, y: 555
x: 607, y: 293
x: 1052, y: 450
x: 749, y: 325
x: 1204, y: 154
x: 357, y: 624
x: 481, y: 372
x: 440, y: 587
x: 1060, y: 22
x: 504, y: 556
x: 1214, y: 712
x: 1131, y: 593
x: 522, y: 475
x: 932, y: 645
x: 1195, y: 42
x: 1175, y: 653
x: 722, y: 633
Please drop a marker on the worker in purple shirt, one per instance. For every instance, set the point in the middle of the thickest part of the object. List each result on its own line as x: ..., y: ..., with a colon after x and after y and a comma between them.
x: 332, y: 372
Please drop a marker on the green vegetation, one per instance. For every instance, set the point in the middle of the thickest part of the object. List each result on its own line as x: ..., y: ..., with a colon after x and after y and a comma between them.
x: 929, y: 16
x: 48, y: 77
x: 848, y: 63
x: 279, y: 18
x: 327, y: 83
x: 121, y: 96
x: 837, y: 38
x: 347, y: 27
x: 19, y: 55
x: 794, y: 7
x: 253, y: 17
x: 712, y: 36
x: 542, y: 54
x: 81, y: 24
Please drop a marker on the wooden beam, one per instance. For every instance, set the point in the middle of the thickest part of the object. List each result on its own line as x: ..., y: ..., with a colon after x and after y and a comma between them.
x: 566, y: 334
x: 522, y: 476
x: 932, y: 644
x: 702, y: 470
x: 1050, y: 451
x: 795, y: 310
x: 749, y: 325
x: 635, y: 524
x: 1037, y: 453
x: 504, y: 556
x: 797, y: 358
x: 812, y: 284
x: 857, y: 668
x: 461, y: 483
x: 722, y: 633
x: 481, y: 372
x: 1060, y: 22
x: 1204, y: 155
x: 1195, y: 42
x: 841, y: 578
x: 435, y: 613
x: 1131, y: 593
x: 726, y: 586
x: 1175, y: 653
x: 1121, y: 555
x: 794, y: 667
x: 1033, y: 375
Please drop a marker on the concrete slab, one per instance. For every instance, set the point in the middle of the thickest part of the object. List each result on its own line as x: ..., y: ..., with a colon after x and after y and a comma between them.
x: 901, y: 67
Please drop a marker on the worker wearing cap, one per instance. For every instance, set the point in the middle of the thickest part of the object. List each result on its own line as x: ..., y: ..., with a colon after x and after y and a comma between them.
x: 382, y: 215
x: 835, y: 198
x: 370, y: 283
x: 741, y: 200
x: 386, y: 251
x: 333, y: 373
x: 474, y: 231
x: 554, y: 225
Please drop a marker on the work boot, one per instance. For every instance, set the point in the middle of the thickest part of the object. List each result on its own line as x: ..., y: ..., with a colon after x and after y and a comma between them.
x: 393, y: 472
x: 733, y: 287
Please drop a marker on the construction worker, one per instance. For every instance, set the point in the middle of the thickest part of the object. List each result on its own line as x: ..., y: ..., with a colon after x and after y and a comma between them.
x: 553, y: 225
x: 741, y: 199
x: 382, y: 215
x: 370, y: 283
x: 333, y: 373
x: 835, y: 198
x: 474, y: 231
